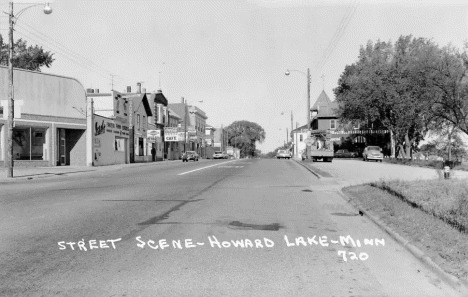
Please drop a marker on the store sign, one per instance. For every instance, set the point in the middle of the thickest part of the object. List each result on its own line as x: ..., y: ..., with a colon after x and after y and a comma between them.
x: 182, y: 136
x: 153, y: 134
x: 171, y: 134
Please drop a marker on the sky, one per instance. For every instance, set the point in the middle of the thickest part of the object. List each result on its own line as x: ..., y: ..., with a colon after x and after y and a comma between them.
x: 231, y: 54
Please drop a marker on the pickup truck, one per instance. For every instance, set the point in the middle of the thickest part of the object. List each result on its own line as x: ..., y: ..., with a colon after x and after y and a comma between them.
x: 321, y: 146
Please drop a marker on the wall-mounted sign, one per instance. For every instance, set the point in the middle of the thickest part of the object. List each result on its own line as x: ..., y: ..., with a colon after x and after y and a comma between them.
x: 154, y: 133
x: 171, y: 134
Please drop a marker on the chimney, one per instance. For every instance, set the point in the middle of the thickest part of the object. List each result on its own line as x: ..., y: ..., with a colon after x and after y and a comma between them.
x: 182, y: 100
x: 138, y: 87
x: 89, y: 91
x: 96, y: 91
x: 129, y: 89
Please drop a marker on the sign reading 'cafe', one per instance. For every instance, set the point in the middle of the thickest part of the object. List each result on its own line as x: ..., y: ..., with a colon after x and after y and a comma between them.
x: 171, y: 134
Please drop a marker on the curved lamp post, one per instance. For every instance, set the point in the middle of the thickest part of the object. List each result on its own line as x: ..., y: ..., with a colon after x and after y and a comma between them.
x: 11, y: 102
x: 288, y: 71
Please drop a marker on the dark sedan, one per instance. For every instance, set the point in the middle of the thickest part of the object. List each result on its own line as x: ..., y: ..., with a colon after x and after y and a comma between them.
x: 345, y: 154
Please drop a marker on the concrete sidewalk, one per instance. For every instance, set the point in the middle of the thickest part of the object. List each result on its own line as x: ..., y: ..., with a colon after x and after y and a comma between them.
x: 22, y: 173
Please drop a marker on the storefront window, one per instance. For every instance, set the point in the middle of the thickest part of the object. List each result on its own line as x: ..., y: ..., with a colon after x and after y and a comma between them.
x: 28, y: 143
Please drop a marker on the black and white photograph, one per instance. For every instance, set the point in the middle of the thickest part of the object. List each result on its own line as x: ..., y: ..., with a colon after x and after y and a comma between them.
x: 232, y: 148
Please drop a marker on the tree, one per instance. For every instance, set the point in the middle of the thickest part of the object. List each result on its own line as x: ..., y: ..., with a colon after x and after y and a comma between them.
x: 24, y: 56
x: 244, y: 135
x: 448, y: 76
x: 385, y: 85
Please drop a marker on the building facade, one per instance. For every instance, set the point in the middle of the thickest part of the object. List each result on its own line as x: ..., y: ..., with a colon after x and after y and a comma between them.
x: 353, y: 138
x: 49, y: 122
x: 141, y: 144
x: 174, y: 136
x: 111, y: 128
x: 196, y: 130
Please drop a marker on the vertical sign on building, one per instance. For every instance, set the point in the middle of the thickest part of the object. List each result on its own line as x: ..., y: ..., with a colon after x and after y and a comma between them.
x: 159, y: 115
x: 165, y: 117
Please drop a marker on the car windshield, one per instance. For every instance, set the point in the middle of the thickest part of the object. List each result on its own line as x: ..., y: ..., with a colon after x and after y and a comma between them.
x: 281, y: 152
x: 218, y: 152
x: 373, y: 148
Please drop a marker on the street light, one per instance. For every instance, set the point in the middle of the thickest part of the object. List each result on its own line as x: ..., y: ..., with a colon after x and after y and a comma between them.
x: 288, y: 71
x: 11, y: 103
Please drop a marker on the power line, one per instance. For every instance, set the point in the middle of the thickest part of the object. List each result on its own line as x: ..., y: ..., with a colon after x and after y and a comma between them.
x: 61, y: 51
x: 79, y: 63
x: 48, y: 38
x: 337, y: 36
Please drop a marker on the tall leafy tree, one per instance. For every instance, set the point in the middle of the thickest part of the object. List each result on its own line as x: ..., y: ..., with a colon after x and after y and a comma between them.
x: 244, y: 135
x: 449, y: 77
x: 24, y: 56
x: 385, y: 86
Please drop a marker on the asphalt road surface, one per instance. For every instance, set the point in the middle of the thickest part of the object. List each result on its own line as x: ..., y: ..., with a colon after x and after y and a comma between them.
x: 209, y: 228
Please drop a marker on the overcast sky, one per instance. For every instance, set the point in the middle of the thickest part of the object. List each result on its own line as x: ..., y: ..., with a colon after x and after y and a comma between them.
x: 230, y: 54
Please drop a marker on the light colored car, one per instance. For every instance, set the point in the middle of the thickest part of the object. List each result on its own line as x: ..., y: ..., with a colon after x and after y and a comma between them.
x: 190, y: 155
x: 219, y: 155
x: 372, y: 153
x: 283, y: 154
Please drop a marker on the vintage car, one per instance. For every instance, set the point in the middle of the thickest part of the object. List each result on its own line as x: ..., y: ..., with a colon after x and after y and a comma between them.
x: 219, y: 155
x: 190, y: 155
x: 372, y: 153
x: 345, y: 154
x: 283, y: 154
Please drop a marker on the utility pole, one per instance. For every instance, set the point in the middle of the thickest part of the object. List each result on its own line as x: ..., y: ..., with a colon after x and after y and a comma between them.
x: 112, y: 80
x: 292, y: 128
x: 11, y: 102
x: 185, y: 123
x: 308, y: 98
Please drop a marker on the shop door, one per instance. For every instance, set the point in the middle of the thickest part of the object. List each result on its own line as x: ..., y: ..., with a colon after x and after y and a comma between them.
x: 62, y: 147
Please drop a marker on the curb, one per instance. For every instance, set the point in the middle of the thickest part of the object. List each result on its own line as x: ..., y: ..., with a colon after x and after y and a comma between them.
x: 460, y: 285
x: 308, y: 168
x: 84, y: 170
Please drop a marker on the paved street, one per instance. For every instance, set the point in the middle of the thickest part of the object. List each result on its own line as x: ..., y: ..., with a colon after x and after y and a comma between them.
x: 177, y: 229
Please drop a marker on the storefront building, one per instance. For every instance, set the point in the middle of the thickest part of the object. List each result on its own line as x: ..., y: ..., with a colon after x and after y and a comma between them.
x: 159, y: 107
x: 110, y: 128
x: 174, y: 136
x: 140, y: 118
x: 197, y: 130
x: 49, y: 122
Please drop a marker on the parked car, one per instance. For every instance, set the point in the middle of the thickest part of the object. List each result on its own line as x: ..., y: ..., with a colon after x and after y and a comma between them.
x: 283, y: 154
x: 345, y: 154
x: 219, y: 155
x: 372, y: 153
x: 434, y: 158
x: 190, y: 155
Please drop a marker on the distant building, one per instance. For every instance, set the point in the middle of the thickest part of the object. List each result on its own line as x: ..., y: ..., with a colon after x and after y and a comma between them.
x: 343, y: 135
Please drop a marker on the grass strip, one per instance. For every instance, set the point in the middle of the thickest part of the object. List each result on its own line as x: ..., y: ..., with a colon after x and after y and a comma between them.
x: 443, y: 244
x: 444, y: 199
